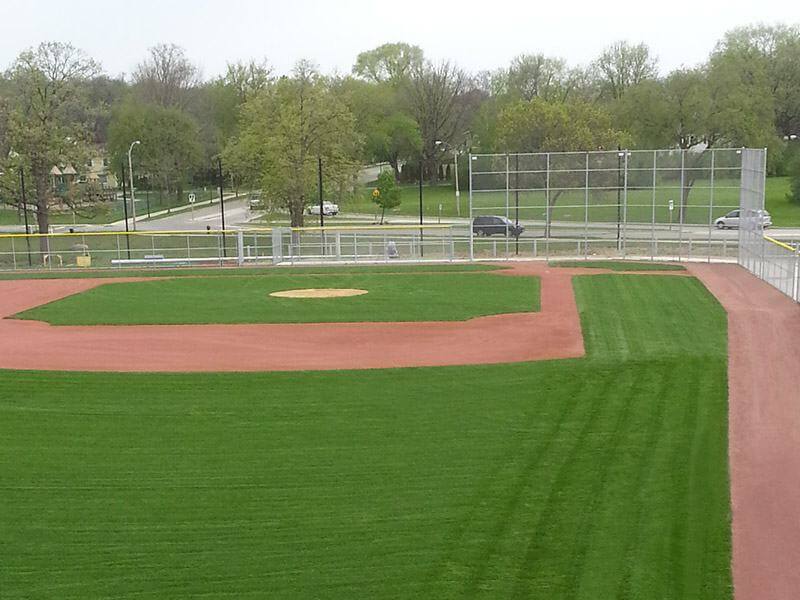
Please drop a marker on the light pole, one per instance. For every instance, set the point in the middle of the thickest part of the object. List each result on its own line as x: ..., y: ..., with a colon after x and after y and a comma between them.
x: 445, y: 146
x: 130, y: 174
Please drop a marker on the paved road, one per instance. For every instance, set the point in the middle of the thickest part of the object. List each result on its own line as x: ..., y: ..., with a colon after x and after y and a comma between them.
x: 238, y: 215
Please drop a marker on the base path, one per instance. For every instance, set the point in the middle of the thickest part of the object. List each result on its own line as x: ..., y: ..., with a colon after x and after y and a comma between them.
x: 550, y: 334
x: 764, y: 423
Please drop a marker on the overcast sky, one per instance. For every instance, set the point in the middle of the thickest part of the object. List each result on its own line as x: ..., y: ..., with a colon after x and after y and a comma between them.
x: 476, y: 35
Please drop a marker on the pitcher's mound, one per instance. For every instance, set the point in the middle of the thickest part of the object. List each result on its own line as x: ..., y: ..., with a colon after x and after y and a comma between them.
x: 319, y: 293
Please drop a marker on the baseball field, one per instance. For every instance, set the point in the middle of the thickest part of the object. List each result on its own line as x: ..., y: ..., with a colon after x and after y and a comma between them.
x: 600, y: 476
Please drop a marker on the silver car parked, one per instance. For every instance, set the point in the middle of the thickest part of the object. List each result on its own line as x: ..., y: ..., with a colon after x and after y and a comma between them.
x: 733, y: 219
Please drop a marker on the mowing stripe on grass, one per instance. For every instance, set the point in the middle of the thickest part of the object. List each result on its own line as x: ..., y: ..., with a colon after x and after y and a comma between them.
x: 603, y: 477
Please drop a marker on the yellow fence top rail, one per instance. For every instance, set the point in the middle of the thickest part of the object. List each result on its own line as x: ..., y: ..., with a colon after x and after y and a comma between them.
x: 414, y: 226
x: 248, y: 230
x: 133, y: 233
x: 779, y: 243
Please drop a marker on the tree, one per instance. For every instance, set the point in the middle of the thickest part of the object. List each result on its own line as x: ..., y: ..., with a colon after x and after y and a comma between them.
x: 394, y: 140
x: 170, y: 147
x: 285, y: 130
x: 386, y: 193
x: 536, y: 76
x: 165, y: 77
x: 723, y: 103
x: 42, y: 131
x: 541, y: 126
x: 623, y: 65
x: 434, y: 94
x: 389, y: 63
x: 776, y: 50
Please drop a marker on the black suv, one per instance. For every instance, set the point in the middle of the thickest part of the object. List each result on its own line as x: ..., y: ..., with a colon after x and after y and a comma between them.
x: 496, y: 226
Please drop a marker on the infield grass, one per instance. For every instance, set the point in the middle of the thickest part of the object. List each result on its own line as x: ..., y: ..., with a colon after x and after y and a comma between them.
x: 604, y: 477
x: 227, y: 300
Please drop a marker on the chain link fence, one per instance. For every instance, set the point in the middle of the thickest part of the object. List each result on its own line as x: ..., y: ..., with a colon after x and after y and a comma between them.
x: 233, y: 247
x: 618, y: 204
x: 776, y: 262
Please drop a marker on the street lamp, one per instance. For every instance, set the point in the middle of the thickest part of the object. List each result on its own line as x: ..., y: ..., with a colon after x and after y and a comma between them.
x: 130, y: 174
x: 456, y: 152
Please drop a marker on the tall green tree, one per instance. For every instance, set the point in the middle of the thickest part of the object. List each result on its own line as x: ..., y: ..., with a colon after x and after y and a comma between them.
x: 166, y: 76
x: 541, y: 126
x: 389, y: 63
x: 774, y: 49
x: 170, y: 147
x: 435, y: 100
x: 47, y: 87
x: 724, y: 103
x: 535, y: 76
x: 623, y: 65
x: 285, y: 130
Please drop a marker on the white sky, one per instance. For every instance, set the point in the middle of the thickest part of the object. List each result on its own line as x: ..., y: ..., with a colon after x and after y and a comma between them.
x: 476, y: 35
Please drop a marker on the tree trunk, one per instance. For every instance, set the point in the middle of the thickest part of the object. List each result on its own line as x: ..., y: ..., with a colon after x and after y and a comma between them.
x: 296, y: 212
x: 549, y: 212
x: 395, y: 164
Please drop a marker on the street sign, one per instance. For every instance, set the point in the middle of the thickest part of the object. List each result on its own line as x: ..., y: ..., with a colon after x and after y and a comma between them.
x: 192, y: 198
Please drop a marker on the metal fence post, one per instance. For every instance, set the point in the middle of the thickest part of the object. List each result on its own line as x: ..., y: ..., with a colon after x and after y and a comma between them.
x: 240, y: 247
x: 711, y: 206
x: 586, y: 211
x: 625, y: 206
x: 471, y: 232
x: 653, y: 243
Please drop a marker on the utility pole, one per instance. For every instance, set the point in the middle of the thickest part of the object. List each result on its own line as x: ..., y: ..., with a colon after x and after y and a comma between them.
x: 458, y: 191
x: 130, y: 174
x: 319, y: 185
x: 25, y: 210
x: 125, y: 211
x: 516, y: 202
x: 421, y: 234
x: 619, y: 195
x: 222, y: 206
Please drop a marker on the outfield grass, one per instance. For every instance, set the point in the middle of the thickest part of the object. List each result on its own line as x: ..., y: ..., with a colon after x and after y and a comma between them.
x: 406, y: 297
x: 617, y: 265
x: 604, y: 477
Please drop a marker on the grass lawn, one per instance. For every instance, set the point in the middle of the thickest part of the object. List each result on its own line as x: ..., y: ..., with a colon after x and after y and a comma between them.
x: 604, y: 477
x: 784, y: 212
x: 407, y: 297
x: 617, y: 265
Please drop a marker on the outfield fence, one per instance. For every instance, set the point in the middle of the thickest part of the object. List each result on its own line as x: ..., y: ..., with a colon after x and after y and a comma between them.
x: 640, y: 205
x: 774, y: 261
x: 617, y: 204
